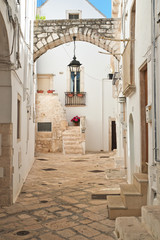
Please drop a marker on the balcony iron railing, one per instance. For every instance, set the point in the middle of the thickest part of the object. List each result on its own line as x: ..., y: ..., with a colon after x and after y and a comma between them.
x: 76, y: 99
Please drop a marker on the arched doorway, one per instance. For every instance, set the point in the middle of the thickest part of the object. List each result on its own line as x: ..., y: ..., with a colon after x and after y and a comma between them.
x: 131, y: 145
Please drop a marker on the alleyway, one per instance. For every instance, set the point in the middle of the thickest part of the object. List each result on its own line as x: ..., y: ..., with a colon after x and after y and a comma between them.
x: 64, y: 198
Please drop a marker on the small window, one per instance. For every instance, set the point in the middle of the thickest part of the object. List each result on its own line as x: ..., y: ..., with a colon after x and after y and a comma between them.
x: 44, y: 127
x: 73, y: 16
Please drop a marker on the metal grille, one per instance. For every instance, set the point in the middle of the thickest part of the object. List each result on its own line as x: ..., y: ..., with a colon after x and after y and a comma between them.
x: 73, y: 16
x: 44, y: 127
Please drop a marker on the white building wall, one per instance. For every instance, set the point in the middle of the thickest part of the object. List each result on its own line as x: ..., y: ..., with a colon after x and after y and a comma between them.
x: 96, y: 68
x: 142, y: 45
x: 22, y: 85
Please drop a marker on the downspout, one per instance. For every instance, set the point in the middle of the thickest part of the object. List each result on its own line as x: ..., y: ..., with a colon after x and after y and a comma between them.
x: 155, y: 149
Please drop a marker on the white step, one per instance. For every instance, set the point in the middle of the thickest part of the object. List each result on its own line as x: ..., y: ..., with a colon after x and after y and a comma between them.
x: 131, y: 197
x: 140, y: 180
x: 131, y: 228
x: 117, y: 208
x: 151, y: 219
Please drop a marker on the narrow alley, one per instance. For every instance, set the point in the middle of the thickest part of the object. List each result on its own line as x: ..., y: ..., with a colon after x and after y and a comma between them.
x: 64, y: 197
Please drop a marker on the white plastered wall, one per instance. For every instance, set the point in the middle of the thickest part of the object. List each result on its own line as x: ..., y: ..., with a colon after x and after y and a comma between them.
x: 142, y: 45
x: 21, y: 83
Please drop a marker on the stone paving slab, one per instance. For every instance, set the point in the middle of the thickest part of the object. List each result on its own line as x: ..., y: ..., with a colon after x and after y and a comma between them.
x: 56, y: 200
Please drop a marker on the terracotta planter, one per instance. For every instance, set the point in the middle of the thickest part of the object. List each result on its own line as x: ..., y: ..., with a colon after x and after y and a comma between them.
x: 76, y: 123
x: 40, y: 91
x: 79, y: 95
x: 70, y: 94
x: 50, y: 91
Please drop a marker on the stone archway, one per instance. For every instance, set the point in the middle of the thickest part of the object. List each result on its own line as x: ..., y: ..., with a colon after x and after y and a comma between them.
x: 49, y: 34
x: 6, y: 133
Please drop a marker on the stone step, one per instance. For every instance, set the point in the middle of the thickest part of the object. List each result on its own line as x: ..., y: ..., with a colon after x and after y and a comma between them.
x: 151, y: 219
x: 75, y: 129
x: 117, y: 208
x: 140, y: 180
x: 75, y: 151
x: 72, y: 142
x: 71, y: 131
x: 129, y: 189
x: 78, y: 146
x: 131, y: 197
x: 131, y: 228
x: 72, y: 137
x: 115, y: 202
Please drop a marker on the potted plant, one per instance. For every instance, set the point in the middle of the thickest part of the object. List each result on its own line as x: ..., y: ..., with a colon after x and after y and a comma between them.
x: 40, y: 91
x: 50, y: 91
x: 79, y: 94
x: 70, y: 94
x: 76, y: 120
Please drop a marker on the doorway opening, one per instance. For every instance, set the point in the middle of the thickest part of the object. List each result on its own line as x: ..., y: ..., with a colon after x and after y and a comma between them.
x: 144, y: 125
x: 113, y: 135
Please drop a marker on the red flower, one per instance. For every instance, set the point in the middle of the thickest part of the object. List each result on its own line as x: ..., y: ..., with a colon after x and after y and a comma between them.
x: 75, y: 119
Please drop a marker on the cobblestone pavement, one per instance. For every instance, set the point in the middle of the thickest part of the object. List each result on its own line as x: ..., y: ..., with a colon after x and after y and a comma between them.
x: 59, y: 199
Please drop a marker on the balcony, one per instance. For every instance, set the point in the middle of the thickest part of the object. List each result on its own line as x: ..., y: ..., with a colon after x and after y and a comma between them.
x: 75, y: 99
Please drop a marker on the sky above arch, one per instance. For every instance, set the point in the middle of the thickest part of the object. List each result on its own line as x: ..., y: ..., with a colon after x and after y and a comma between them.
x: 102, y: 5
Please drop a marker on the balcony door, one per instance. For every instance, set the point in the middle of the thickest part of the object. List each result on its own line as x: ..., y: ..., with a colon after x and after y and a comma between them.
x: 75, y: 82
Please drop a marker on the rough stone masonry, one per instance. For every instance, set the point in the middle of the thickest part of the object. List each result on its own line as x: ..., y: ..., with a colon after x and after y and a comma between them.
x: 52, y: 33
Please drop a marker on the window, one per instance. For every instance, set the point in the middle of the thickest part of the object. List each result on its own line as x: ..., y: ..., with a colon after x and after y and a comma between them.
x: 18, y: 116
x: 73, y: 16
x: 44, y: 127
x: 75, y: 82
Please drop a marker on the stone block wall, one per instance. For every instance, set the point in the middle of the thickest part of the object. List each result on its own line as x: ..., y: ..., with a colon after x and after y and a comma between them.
x: 49, y: 109
x: 52, y: 33
x: 6, y: 166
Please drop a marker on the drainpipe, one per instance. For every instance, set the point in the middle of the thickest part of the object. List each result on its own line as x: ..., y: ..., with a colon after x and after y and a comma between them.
x: 154, y: 81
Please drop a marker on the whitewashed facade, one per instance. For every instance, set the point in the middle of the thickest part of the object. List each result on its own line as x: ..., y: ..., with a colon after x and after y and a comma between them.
x: 16, y: 96
x: 140, y: 86
x: 100, y: 106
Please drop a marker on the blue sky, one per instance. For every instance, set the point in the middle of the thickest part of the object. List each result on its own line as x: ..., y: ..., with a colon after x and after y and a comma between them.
x: 103, y: 5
